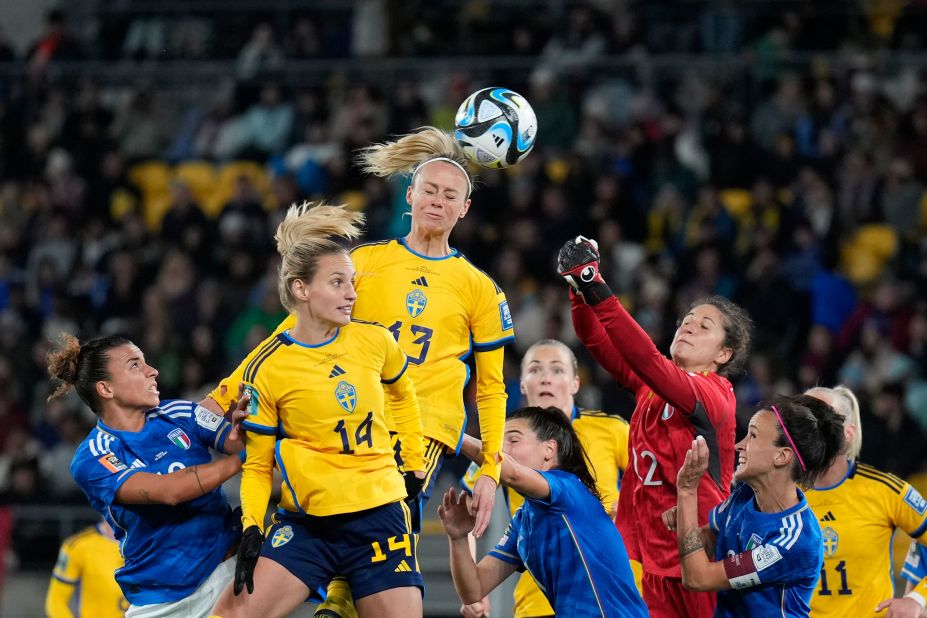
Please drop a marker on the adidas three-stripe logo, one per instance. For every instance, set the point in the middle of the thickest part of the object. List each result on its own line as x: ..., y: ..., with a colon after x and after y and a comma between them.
x: 829, y: 517
x: 336, y: 371
x: 403, y: 568
x: 420, y: 281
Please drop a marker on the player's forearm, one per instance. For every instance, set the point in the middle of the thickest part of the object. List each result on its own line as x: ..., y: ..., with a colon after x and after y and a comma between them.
x: 591, y: 332
x: 57, y: 600
x: 179, y: 486
x: 406, y: 419
x: 490, y: 401
x: 692, y: 556
x: 257, y: 480
x: 642, y: 356
x: 472, y: 449
x: 464, y: 571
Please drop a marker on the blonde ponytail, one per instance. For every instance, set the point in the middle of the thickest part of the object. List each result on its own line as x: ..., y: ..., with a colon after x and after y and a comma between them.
x: 409, y: 151
x: 307, y: 232
x: 847, y: 405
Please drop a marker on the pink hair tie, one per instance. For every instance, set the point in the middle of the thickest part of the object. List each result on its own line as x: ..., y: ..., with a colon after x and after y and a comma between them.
x: 789, y: 437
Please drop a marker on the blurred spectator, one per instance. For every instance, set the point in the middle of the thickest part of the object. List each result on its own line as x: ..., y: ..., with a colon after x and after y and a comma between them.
x: 303, y: 40
x: 894, y: 442
x: 260, y: 54
x: 572, y: 50
x: 7, y: 53
x: 267, y: 124
x: 72, y: 429
x: 720, y: 27
x: 138, y: 128
x: 56, y: 43
x: 184, y: 225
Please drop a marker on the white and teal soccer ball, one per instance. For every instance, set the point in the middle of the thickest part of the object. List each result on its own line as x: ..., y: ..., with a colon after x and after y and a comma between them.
x: 496, y: 127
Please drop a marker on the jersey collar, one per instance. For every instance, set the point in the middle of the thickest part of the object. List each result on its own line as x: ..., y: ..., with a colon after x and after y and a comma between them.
x: 402, y: 243
x: 286, y: 334
x: 116, y: 432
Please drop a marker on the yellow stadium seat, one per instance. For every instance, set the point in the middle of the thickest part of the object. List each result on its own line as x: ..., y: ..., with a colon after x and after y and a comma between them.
x: 225, y: 186
x: 859, y: 264
x: 881, y: 240
x: 557, y: 170
x: 354, y: 200
x: 151, y: 177
x: 737, y: 201
x: 200, y: 176
x: 156, y: 206
x: 232, y: 170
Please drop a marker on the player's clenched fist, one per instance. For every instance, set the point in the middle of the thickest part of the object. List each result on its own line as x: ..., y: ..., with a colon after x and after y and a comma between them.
x: 578, y: 263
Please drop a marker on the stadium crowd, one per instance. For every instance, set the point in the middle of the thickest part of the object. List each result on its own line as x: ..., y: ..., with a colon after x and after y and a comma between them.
x: 797, y: 190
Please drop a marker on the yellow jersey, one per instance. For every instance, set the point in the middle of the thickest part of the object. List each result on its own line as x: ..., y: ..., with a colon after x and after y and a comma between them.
x: 858, y: 517
x: 87, y: 562
x: 319, y: 412
x: 440, y: 310
x: 605, y: 439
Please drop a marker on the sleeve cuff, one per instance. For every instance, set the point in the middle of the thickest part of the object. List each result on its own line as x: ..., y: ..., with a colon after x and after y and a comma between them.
x: 221, y: 435
x: 492, y: 466
x: 918, y: 598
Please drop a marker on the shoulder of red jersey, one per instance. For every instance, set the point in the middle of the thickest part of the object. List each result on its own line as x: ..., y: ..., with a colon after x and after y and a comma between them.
x: 713, y: 377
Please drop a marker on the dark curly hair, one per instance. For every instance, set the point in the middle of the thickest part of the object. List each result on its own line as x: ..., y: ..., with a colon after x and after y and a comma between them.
x: 738, y: 331
x: 82, y: 366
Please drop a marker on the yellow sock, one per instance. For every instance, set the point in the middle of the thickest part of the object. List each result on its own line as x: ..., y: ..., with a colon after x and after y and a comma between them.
x: 339, y: 603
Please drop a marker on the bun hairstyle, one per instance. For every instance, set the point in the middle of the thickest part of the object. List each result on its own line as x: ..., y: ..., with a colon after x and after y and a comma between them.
x: 552, y: 424
x: 811, y: 428
x: 308, y: 232
x: 407, y: 153
x: 82, y: 366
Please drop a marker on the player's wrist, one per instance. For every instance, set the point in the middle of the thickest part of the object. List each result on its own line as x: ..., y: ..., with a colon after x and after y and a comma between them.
x: 492, y: 466
x: 918, y: 598
x: 595, y: 292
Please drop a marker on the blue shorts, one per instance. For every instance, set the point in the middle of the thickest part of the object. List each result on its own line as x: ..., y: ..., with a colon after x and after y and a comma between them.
x: 373, y: 549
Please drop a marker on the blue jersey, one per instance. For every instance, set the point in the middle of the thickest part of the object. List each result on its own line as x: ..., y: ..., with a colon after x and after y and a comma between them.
x: 573, y: 550
x: 915, y: 565
x: 773, y: 560
x: 168, y: 550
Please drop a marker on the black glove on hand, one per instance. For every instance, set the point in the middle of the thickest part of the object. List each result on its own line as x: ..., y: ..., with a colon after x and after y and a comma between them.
x: 578, y: 263
x: 414, y: 485
x: 251, y: 541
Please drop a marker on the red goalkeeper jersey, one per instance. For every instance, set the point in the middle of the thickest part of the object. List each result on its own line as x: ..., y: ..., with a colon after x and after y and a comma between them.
x: 673, y: 406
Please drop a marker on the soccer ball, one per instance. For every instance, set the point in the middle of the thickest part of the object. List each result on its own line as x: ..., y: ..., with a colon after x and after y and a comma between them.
x: 496, y: 127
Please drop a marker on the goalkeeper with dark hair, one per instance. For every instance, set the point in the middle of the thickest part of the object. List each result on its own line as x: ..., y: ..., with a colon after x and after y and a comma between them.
x: 677, y: 399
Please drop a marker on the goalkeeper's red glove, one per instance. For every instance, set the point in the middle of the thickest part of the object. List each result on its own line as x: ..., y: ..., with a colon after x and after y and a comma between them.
x: 578, y: 263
